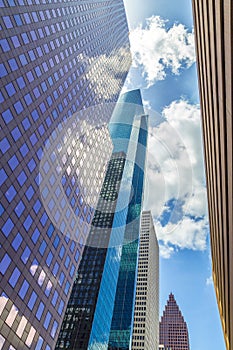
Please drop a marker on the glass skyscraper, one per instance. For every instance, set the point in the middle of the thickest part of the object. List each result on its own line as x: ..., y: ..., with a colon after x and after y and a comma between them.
x: 100, y: 310
x: 58, y: 60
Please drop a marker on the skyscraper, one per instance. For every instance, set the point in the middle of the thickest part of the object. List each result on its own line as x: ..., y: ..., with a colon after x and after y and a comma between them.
x: 213, y: 22
x: 100, y: 309
x: 57, y: 59
x: 146, y: 311
x: 173, y: 330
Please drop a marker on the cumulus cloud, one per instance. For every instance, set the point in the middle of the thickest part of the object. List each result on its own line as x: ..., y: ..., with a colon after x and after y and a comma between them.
x: 157, y: 49
x: 175, y: 189
x: 209, y: 281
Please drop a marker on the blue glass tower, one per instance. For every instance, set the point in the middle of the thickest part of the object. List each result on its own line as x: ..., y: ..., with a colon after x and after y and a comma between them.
x: 100, y: 310
x: 57, y: 59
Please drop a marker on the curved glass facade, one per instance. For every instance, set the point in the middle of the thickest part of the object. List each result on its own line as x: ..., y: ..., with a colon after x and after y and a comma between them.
x: 100, y: 310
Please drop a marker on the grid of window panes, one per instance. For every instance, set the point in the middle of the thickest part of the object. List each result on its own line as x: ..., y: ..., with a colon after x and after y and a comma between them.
x: 77, y: 323
x: 56, y: 58
x: 122, y: 320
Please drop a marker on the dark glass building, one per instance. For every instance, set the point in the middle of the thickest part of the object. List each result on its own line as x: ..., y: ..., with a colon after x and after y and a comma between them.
x: 173, y: 330
x: 100, y: 310
x: 57, y: 59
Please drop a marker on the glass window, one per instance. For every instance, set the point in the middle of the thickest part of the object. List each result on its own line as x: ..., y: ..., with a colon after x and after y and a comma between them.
x: 7, y: 227
x: 17, y: 241
x: 42, y: 247
x: 21, y: 82
x: 41, y: 278
x: 36, y: 92
x: 15, y: 41
x: 72, y: 271
x: 40, y: 311
x: 55, y: 269
x: 54, y: 329
x: 10, y: 193
x: 47, y: 320
x: 23, y: 60
x: 54, y: 299
x: 16, y: 133
x: 7, y: 22
x: 10, y: 89
x: 44, y: 219
x: 19, y: 208
x: 44, y: 86
x: 26, y: 254
x: 28, y: 222
x: 35, y: 115
x: 61, y: 278
x: 48, y: 288
x: 26, y: 123
x: 24, y: 289
x: 22, y: 178
x: 38, y: 71
x: 7, y: 115
x: 3, y: 175
x: 49, y: 259
x: 39, y: 51
x: 30, y: 76
x: 13, y: 64
x: 37, y: 206
x: 5, y: 263
x: 39, y: 343
x: 31, y: 165
x: 27, y: 18
x: 61, y: 307
x: 50, y: 230
x: 35, y: 236
x: 32, y: 300
x: 14, y: 277
x: 67, y: 262
x: 56, y: 241
x: 1, y: 209
x: 42, y: 107
x: 18, y: 107
x: 18, y: 20
x: 3, y: 70
x: 4, y: 44
x: 32, y: 55
x: 34, y: 267
x: 29, y: 193
x: 13, y: 162
x: 67, y: 287
x: 62, y: 251
x: 24, y: 149
x: 25, y: 38
x: 28, y: 99
x: 33, y: 35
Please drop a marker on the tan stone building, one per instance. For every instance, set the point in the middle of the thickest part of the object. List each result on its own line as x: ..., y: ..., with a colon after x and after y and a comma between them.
x: 213, y: 22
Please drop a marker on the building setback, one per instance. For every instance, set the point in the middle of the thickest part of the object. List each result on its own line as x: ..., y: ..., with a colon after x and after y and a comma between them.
x: 213, y: 22
x: 57, y: 58
x: 173, y: 330
x: 105, y: 279
x: 146, y: 311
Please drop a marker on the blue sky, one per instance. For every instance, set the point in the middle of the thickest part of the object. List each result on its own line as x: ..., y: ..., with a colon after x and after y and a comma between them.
x: 162, y: 44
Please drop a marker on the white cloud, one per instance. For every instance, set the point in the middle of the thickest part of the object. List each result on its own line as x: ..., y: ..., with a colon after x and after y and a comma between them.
x: 209, y: 281
x: 157, y: 49
x: 175, y: 189
x: 165, y: 251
